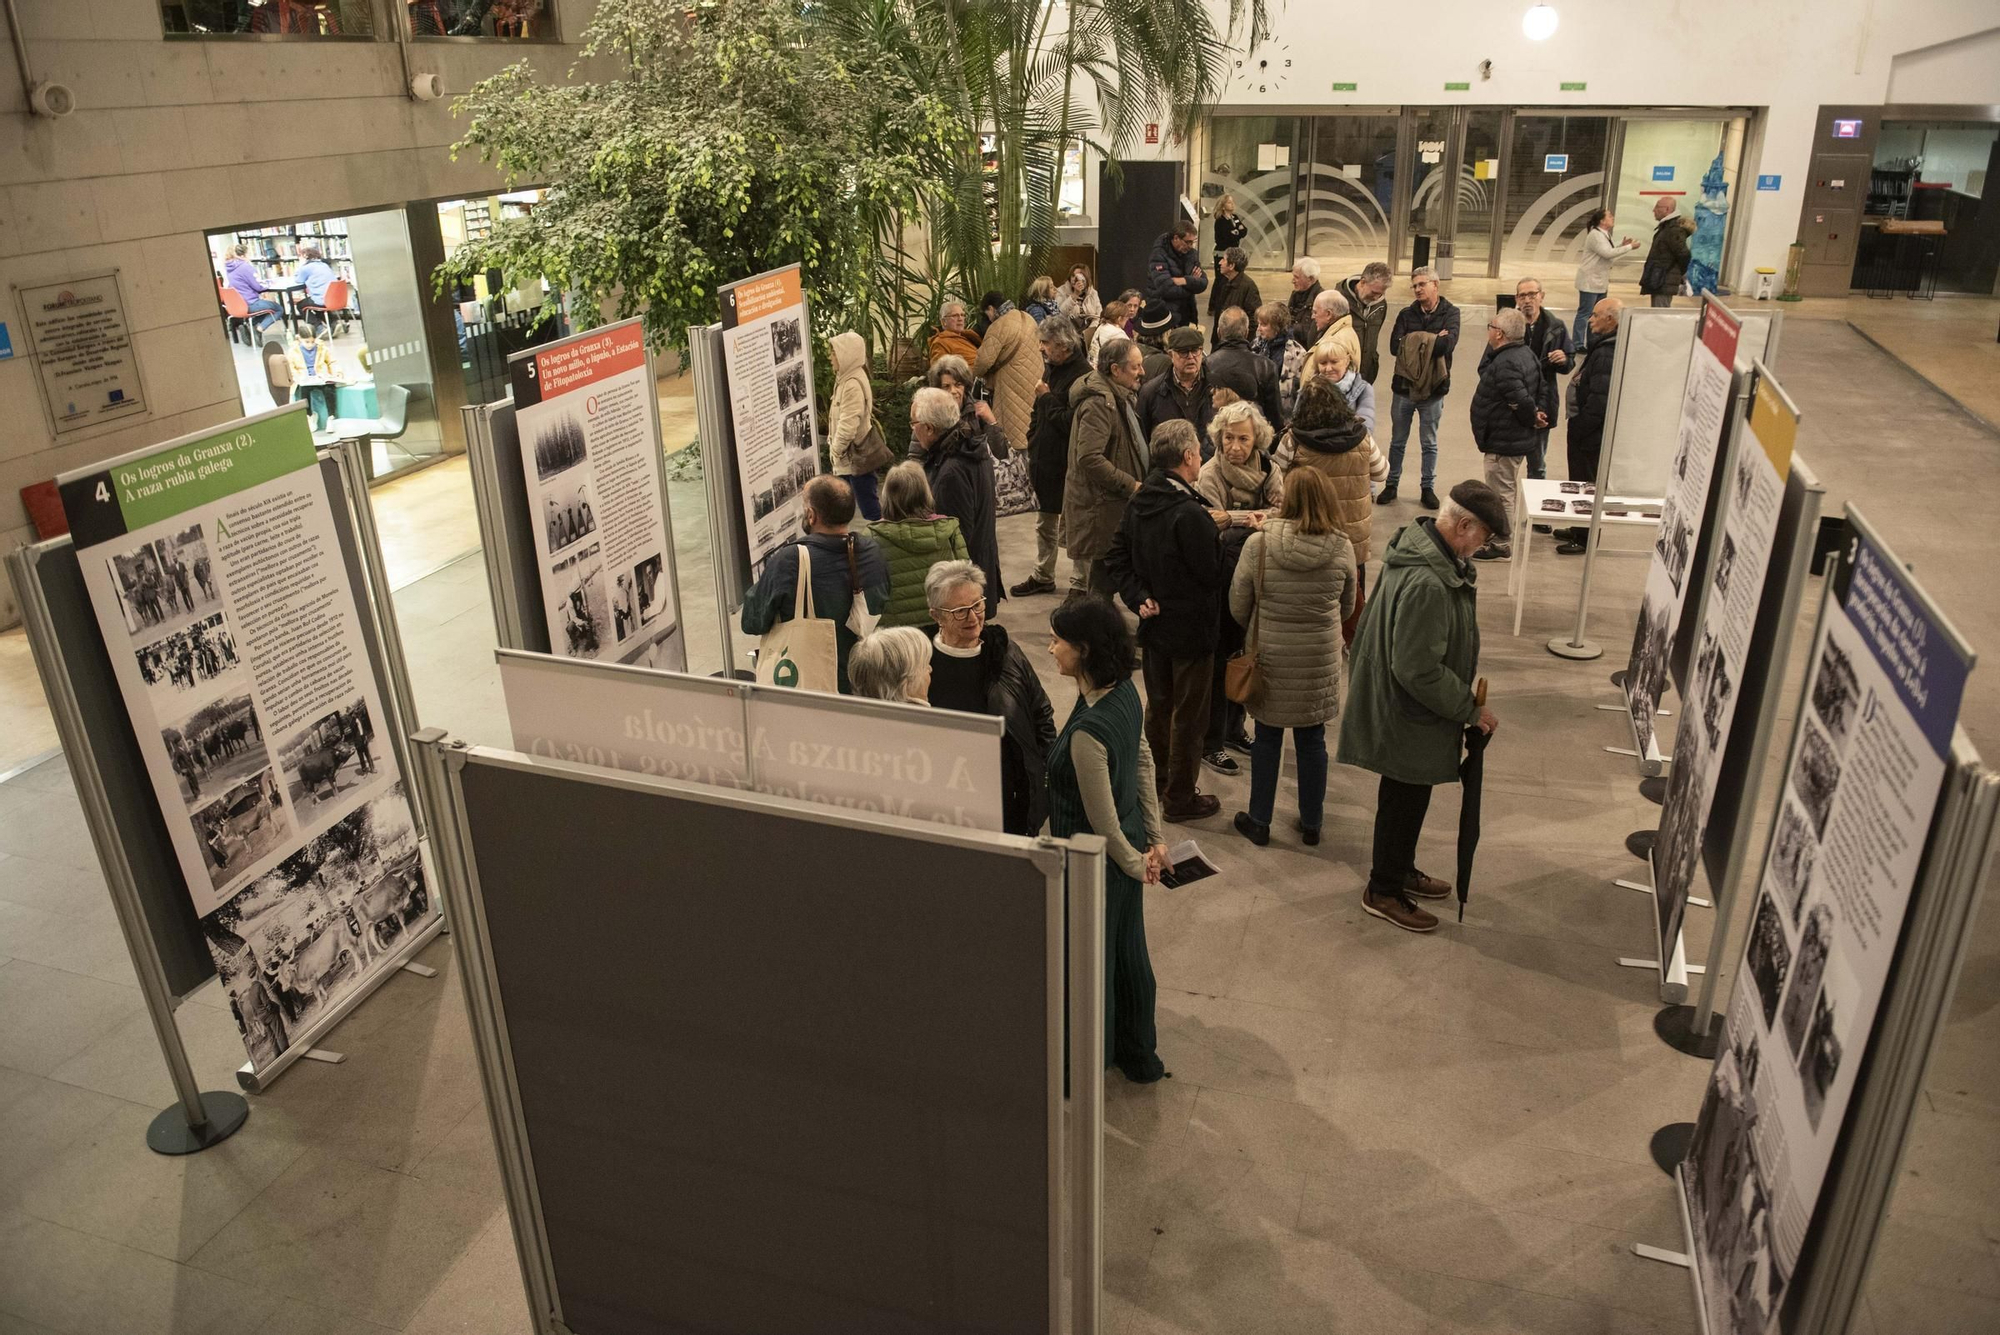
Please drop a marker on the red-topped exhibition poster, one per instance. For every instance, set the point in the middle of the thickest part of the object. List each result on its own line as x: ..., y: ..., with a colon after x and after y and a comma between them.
x: 767, y: 351
x: 590, y: 453
x: 1863, y: 781
x: 215, y: 570
x: 1704, y: 408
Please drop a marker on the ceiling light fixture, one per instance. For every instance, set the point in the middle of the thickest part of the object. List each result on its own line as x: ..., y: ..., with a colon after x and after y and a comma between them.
x: 1539, y: 23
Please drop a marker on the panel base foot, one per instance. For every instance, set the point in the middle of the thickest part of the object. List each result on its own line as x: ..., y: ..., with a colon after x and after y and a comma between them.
x: 1675, y: 1026
x: 1670, y: 1145
x: 171, y: 1134
x: 1581, y: 650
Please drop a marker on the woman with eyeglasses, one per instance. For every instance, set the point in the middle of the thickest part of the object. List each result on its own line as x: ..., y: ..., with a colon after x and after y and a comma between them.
x: 1101, y: 782
x: 977, y: 669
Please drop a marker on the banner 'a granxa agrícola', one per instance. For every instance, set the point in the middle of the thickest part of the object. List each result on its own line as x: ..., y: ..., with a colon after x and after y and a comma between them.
x: 216, y: 573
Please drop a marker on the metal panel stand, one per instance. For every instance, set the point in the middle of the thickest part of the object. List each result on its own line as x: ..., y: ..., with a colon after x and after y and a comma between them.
x: 200, y: 1118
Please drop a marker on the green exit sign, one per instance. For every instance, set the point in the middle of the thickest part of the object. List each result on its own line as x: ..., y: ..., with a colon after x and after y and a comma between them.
x: 1573, y: 87
x: 1458, y: 88
x: 1345, y: 87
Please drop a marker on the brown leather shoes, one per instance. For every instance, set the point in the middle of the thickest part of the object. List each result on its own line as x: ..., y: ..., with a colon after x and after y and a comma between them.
x: 1396, y: 908
x: 1201, y: 808
x: 1426, y: 887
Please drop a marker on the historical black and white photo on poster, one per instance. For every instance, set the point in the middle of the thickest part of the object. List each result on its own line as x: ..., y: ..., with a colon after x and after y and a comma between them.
x: 784, y: 486
x: 1651, y: 640
x: 1792, y: 850
x: 1803, y: 986
x: 792, y: 387
x: 586, y: 607
x: 1716, y: 689
x: 804, y: 469
x: 1769, y: 955
x: 1746, y: 476
x: 185, y: 661
x: 1835, y: 692
x: 763, y: 503
x: 220, y: 744
x: 646, y: 577
x: 569, y: 513
x: 786, y: 339
x: 797, y: 430
x: 1819, y: 1064
x: 240, y: 826
x: 1675, y: 543
x: 294, y: 940
x: 559, y: 445
x: 1679, y: 843
x: 1725, y: 565
x: 164, y: 582
x: 1817, y: 775
x: 328, y: 758
x: 624, y: 605
x: 1730, y: 1193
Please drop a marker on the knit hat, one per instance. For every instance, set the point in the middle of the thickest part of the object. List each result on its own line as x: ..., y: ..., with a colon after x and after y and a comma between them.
x: 1185, y: 339
x: 1484, y: 504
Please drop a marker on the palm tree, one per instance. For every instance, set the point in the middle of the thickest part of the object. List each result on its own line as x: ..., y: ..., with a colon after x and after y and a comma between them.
x: 1026, y: 79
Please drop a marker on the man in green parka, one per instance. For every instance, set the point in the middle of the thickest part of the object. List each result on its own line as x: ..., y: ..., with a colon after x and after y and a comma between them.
x: 1415, y: 659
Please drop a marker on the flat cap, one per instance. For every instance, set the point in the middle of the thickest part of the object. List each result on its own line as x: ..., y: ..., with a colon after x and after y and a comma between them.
x: 1484, y: 504
x: 1185, y: 339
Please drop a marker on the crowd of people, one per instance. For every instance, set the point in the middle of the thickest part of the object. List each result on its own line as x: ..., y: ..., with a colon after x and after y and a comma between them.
x: 1214, y: 492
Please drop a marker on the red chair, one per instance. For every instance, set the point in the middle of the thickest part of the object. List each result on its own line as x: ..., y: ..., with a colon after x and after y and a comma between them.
x: 235, y: 314
x: 339, y: 301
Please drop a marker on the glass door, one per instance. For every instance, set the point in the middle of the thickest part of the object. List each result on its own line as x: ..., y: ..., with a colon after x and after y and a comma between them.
x: 1427, y: 163
x: 1554, y: 177
x: 1478, y: 192
x: 1348, y: 183
x: 1250, y: 158
x: 1690, y: 163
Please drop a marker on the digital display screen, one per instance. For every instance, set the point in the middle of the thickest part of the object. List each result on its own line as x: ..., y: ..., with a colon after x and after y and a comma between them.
x: 1847, y: 129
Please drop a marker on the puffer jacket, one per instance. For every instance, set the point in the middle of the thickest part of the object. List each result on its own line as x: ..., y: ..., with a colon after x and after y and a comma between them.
x: 1010, y: 360
x: 1415, y: 659
x: 1048, y: 433
x: 1308, y: 590
x: 1106, y: 460
x: 1369, y: 317
x: 852, y: 411
x: 959, y: 466
x: 911, y: 547
x: 1166, y: 264
x: 1340, y: 334
x: 1350, y: 460
x: 1300, y: 303
x: 1667, y: 260
x: 1504, y: 405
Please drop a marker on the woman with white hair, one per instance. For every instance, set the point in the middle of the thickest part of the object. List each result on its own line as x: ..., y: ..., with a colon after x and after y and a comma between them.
x: 1239, y: 475
x: 892, y: 664
x: 953, y: 338
x: 959, y: 467
x: 977, y: 669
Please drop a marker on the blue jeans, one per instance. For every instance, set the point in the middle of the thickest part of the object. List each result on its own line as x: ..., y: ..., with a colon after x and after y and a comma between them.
x: 1428, y: 414
x: 1586, y: 302
x: 264, y: 313
x: 1267, y: 752
x: 1538, y: 457
x: 865, y: 495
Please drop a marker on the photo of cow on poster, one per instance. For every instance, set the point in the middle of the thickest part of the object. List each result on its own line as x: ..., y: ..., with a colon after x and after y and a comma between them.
x: 162, y: 584
x: 242, y: 825
x: 328, y: 758
x: 294, y: 940
x: 217, y: 745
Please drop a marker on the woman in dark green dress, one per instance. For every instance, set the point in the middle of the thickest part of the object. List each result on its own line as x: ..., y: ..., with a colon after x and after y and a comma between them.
x: 1101, y: 782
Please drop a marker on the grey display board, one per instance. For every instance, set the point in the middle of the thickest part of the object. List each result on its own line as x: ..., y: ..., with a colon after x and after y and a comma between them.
x: 500, y: 493
x: 141, y: 831
x: 776, y: 1069
x: 1648, y: 374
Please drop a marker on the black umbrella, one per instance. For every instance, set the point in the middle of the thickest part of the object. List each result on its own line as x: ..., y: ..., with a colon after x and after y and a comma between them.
x: 1471, y: 776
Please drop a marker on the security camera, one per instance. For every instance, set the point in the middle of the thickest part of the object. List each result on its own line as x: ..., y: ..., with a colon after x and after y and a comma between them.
x: 51, y: 99
x: 1485, y: 69
x: 426, y: 87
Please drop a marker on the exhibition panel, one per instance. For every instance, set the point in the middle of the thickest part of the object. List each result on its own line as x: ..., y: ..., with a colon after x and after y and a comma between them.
x: 1859, y: 852
x: 767, y: 357
x: 849, y: 1082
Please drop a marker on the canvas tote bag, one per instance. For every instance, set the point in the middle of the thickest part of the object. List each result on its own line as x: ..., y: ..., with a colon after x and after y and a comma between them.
x: 1242, y: 681
x: 805, y: 651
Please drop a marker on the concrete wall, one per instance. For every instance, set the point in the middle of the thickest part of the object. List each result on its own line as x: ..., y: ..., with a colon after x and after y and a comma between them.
x: 1776, y: 54
x: 172, y: 138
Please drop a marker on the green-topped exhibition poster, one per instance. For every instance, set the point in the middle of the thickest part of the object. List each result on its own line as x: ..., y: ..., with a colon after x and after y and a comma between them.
x: 215, y: 570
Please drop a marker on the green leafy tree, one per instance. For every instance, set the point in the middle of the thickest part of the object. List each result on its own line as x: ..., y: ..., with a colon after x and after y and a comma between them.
x: 733, y: 136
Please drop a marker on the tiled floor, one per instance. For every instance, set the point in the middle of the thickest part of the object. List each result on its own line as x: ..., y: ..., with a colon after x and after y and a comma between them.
x: 1365, y: 1131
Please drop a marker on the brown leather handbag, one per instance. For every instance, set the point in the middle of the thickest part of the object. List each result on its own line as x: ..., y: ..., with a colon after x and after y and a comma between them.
x: 1242, y: 679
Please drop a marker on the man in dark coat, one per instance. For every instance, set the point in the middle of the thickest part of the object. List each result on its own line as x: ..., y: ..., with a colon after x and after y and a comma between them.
x: 1368, y: 303
x: 1305, y: 291
x: 1592, y: 389
x: 1048, y: 446
x: 1173, y: 273
x: 1235, y: 366
x: 959, y: 466
x: 1507, y: 416
x: 1181, y: 391
x: 829, y: 509
x: 1166, y: 563
x: 1436, y: 319
x: 1234, y: 289
x: 1667, y: 262
x: 1548, y: 339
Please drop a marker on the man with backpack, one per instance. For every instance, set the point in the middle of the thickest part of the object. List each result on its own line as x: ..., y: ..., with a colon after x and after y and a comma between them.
x: 1420, y: 344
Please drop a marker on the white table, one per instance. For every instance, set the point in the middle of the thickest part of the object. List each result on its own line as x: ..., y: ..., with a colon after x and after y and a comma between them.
x: 1532, y: 499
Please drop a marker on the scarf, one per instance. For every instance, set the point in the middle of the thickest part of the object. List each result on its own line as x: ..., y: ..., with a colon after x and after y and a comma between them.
x: 1246, y: 479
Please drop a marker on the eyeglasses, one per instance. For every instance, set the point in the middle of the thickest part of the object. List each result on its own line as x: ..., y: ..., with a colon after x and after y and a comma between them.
x: 1496, y: 327
x: 965, y: 613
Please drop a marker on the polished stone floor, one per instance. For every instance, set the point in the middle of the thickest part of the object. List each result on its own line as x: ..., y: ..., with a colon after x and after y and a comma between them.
x: 1366, y: 1131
